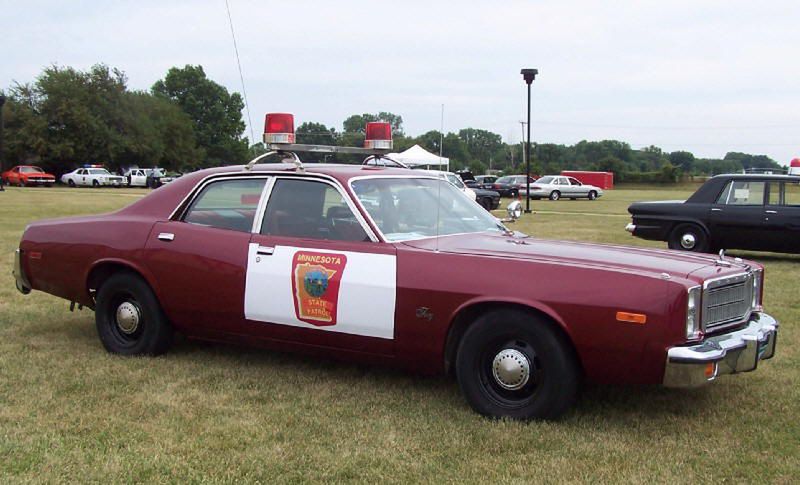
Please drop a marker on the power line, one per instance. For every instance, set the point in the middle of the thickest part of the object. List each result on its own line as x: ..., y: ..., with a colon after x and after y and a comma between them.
x: 241, y: 76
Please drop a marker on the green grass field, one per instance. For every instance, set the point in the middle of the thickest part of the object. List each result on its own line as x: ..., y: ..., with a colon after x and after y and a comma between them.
x: 71, y: 412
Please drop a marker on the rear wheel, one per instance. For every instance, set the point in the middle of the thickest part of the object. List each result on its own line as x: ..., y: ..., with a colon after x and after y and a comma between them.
x: 129, y: 318
x: 71, y: 183
x: 688, y: 237
x: 555, y: 195
x: 514, y: 364
x: 486, y: 203
x: 95, y: 183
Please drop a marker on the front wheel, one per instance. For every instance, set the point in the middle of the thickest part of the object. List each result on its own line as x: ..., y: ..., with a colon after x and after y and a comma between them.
x: 95, y: 183
x: 555, y: 195
x: 689, y: 237
x: 514, y: 364
x: 592, y: 195
x: 129, y: 318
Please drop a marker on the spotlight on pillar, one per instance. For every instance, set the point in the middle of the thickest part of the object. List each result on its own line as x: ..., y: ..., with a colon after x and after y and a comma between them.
x: 528, y: 75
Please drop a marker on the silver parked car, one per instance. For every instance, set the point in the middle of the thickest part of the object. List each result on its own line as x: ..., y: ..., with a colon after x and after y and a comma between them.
x: 554, y: 187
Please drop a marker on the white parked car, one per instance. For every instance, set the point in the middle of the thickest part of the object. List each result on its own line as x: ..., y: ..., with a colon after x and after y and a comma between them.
x: 555, y: 187
x: 146, y: 177
x: 455, y: 180
x: 92, y: 177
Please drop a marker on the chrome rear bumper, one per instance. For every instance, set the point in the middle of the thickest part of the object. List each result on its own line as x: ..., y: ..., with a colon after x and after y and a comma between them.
x: 729, y: 353
x: 630, y: 228
x: 19, y: 274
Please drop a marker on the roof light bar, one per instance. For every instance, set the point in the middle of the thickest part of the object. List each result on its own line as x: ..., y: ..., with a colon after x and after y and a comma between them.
x: 279, y: 128
x: 378, y: 136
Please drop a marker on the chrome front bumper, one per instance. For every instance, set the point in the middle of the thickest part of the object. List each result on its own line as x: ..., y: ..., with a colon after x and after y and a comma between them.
x: 19, y: 274
x: 729, y: 353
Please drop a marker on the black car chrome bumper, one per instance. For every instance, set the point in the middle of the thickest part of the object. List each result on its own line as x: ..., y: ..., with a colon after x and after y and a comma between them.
x: 729, y: 353
x: 19, y: 274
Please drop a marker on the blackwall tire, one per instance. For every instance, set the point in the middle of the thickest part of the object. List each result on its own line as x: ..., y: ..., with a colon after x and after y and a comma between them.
x: 516, y: 365
x: 71, y: 183
x: 555, y: 195
x: 592, y: 195
x: 689, y: 237
x: 129, y: 319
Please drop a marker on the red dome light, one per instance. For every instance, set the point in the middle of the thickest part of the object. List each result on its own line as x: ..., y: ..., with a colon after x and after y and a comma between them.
x: 279, y: 128
x: 379, y: 135
x: 794, y: 167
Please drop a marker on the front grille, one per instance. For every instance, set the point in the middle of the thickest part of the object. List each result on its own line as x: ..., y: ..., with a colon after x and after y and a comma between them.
x: 727, y: 301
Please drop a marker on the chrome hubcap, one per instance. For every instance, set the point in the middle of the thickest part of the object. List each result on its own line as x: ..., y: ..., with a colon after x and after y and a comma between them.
x: 688, y: 241
x: 128, y: 317
x: 511, y: 369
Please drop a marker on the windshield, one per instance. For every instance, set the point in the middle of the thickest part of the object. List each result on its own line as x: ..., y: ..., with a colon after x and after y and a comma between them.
x: 408, y: 208
x: 31, y: 170
x: 545, y: 180
x: 98, y: 171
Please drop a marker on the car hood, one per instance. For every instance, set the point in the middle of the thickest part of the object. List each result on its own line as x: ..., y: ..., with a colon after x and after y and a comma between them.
x: 625, y: 258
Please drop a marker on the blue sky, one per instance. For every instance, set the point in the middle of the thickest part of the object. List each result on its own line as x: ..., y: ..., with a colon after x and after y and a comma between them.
x: 706, y: 76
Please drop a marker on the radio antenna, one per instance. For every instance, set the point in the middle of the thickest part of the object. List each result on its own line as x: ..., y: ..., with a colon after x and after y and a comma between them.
x: 241, y: 76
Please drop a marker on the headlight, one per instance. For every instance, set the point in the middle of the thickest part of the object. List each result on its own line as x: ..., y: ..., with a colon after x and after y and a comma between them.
x: 758, y: 283
x: 693, y: 313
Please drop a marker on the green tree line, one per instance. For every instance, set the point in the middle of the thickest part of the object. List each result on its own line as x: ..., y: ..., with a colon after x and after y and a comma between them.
x: 66, y: 118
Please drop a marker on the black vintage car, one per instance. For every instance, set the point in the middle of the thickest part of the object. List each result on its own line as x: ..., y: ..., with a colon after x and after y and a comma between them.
x: 739, y: 211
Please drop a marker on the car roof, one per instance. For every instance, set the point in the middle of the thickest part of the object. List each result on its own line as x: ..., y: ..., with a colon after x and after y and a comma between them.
x: 341, y: 172
x: 757, y: 176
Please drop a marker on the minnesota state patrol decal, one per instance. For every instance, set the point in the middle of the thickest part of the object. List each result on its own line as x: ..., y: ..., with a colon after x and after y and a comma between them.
x: 315, y: 284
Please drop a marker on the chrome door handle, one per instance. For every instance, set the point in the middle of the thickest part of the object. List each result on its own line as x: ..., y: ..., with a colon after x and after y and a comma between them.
x: 771, y: 212
x: 265, y: 250
x: 166, y: 236
x: 716, y: 210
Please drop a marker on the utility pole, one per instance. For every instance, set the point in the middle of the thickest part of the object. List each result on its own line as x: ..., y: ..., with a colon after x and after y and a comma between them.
x: 522, y: 142
x: 2, y: 145
x: 528, y: 75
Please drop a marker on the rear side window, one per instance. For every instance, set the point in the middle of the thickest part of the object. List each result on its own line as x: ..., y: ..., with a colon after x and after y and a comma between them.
x: 792, y: 193
x: 227, y: 204
x: 743, y: 192
x: 310, y: 209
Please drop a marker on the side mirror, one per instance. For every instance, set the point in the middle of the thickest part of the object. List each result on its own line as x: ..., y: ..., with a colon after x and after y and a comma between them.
x: 514, y: 210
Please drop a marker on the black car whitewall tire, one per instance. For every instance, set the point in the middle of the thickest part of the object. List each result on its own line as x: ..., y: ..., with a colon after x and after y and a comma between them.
x: 514, y: 364
x: 129, y: 318
x: 555, y: 195
x: 688, y: 237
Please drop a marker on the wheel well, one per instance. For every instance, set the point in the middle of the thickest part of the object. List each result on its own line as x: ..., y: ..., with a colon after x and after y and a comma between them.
x: 468, y: 315
x: 100, y: 273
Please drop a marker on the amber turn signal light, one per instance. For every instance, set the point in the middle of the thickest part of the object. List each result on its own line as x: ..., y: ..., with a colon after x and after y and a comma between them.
x: 631, y: 317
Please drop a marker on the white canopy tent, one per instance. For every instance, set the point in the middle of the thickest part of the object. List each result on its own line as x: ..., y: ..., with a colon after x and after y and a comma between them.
x: 417, y: 156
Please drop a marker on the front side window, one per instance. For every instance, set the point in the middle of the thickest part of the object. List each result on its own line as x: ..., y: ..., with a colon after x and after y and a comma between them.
x: 411, y: 208
x: 743, y: 192
x: 455, y: 180
x: 310, y: 209
x: 227, y: 204
x: 99, y: 171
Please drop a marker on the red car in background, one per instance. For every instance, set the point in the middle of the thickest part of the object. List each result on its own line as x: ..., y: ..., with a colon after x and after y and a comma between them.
x: 27, y: 175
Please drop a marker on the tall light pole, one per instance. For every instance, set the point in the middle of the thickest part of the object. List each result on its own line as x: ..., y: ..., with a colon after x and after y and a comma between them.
x: 528, y: 75
x: 2, y: 165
